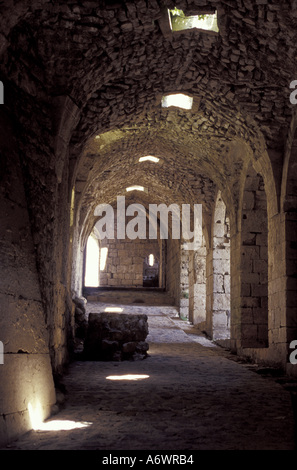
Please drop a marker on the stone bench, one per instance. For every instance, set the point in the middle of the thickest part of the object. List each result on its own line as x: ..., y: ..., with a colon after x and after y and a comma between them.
x: 116, y: 337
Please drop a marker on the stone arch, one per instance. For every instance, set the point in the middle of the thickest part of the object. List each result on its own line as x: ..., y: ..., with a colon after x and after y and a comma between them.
x: 254, y: 263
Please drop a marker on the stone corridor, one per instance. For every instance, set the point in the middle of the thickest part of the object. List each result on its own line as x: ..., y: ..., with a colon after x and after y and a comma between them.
x: 189, y: 394
x: 149, y: 146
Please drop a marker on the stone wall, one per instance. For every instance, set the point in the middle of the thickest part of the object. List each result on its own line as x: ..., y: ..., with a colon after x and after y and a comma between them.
x: 173, y: 263
x: 26, y: 376
x: 184, y: 282
x: 116, y: 337
x: 125, y: 262
x: 127, y: 259
x: 83, y: 84
x: 197, y: 287
x: 254, y: 263
x: 221, y: 309
x: 249, y: 269
x: 287, y: 251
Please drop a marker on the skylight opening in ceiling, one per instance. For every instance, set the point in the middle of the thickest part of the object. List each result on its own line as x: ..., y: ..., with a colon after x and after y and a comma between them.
x: 149, y: 158
x: 180, y: 22
x: 178, y: 100
x: 135, y: 188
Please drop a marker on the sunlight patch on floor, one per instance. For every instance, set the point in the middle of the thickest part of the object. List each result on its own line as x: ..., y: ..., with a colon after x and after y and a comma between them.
x: 127, y: 377
x: 37, y: 423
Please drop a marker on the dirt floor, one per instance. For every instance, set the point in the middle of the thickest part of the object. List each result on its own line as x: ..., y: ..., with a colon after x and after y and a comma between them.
x: 189, y: 394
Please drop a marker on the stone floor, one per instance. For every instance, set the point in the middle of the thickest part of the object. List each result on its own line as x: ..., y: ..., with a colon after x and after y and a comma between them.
x: 189, y: 394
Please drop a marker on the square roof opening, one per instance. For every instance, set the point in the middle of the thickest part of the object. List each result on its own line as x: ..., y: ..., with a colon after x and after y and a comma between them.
x: 178, y: 100
x: 180, y: 22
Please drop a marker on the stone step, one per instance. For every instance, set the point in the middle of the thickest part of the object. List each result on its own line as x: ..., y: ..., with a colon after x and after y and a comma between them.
x: 136, y: 297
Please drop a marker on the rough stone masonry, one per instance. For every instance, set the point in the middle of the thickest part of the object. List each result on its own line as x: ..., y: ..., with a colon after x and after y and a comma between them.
x: 83, y: 84
x: 116, y: 337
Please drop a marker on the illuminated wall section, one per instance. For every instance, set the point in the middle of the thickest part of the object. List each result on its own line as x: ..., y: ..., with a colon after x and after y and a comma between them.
x: 26, y: 373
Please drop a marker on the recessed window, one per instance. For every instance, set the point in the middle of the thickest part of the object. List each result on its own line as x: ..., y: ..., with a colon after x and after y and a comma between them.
x: 135, y: 188
x: 149, y: 158
x: 92, y: 262
x: 151, y: 260
x: 180, y: 22
x: 178, y: 100
x: 103, y: 258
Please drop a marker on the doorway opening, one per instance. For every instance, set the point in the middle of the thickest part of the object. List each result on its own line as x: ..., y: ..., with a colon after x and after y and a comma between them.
x: 92, y: 263
x: 150, y: 271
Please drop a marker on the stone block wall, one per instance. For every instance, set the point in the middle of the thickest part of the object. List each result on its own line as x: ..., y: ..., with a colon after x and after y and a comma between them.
x: 125, y: 260
x: 277, y: 334
x: 116, y: 337
x: 197, y: 287
x: 254, y: 264
x: 291, y: 271
x: 124, y: 264
x: 173, y: 258
x: 26, y: 378
x: 221, y: 272
x: 184, y: 283
x: 113, y: 62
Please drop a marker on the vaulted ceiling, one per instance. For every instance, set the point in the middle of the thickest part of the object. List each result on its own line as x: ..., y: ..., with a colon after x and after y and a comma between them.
x: 115, y: 60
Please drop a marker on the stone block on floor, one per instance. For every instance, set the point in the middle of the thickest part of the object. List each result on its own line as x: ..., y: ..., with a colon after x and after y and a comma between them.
x: 116, y: 337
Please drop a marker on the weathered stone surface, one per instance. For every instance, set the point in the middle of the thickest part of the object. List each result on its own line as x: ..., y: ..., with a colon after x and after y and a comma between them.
x: 27, y: 387
x: 113, y: 336
x: 25, y: 371
x: 126, y: 261
x: 83, y: 84
x: 81, y: 321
